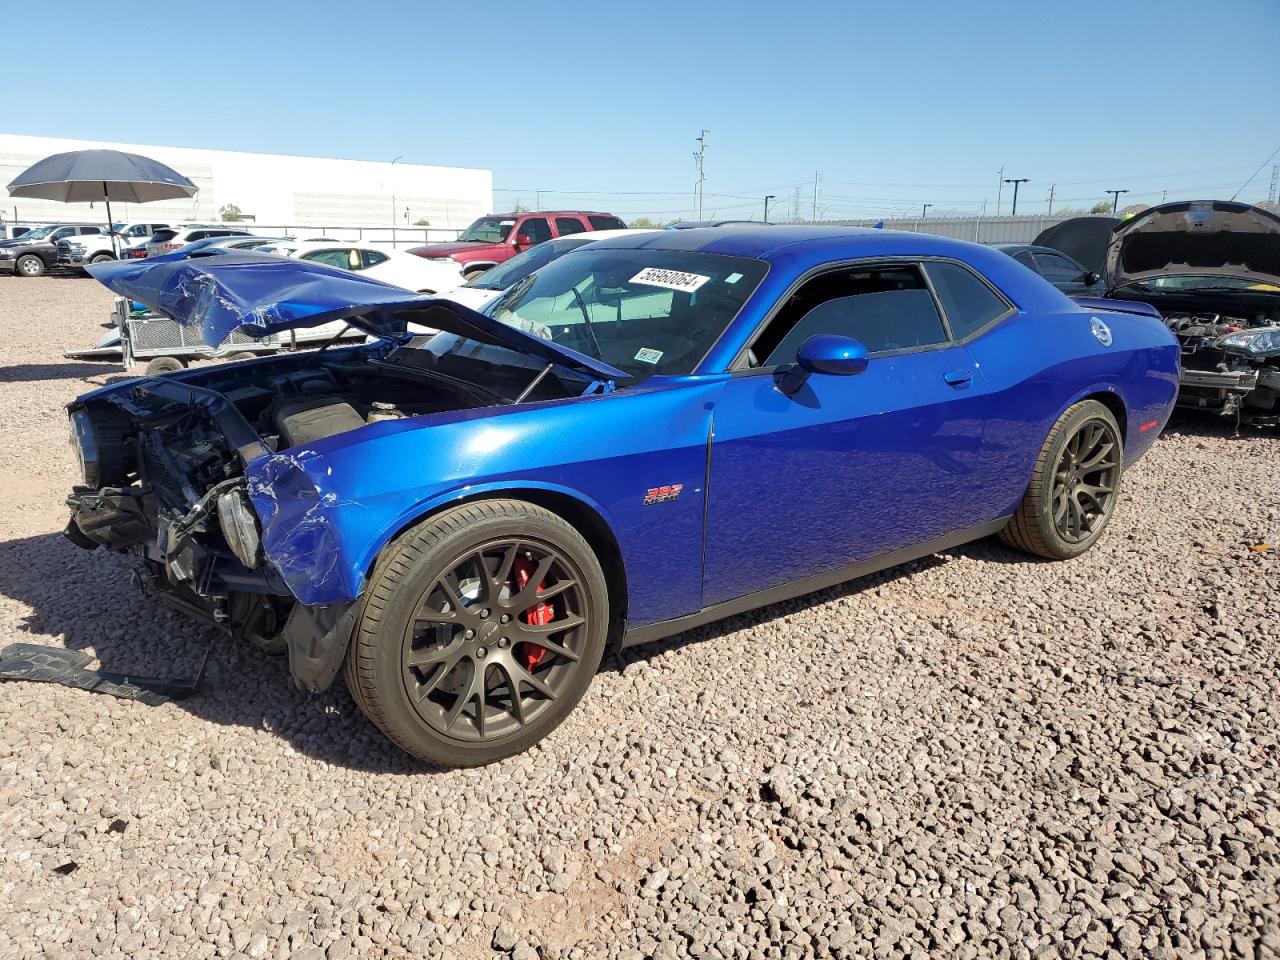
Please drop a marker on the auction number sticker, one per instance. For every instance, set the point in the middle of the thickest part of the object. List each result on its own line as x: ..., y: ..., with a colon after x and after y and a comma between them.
x: 669, y: 279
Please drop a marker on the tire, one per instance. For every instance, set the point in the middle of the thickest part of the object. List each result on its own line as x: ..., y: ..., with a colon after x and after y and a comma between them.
x: 416, y: 679
x: 163, y: 365
x: 29, y: 265
x: 242, y: 355
x: 1061, y: 515
x: 101, y: 258
x: 469, y: 275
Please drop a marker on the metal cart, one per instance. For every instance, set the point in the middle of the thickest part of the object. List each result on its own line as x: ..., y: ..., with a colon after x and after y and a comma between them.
x: 164, y: 344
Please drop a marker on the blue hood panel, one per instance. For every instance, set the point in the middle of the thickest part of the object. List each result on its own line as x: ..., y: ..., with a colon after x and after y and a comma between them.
x: 218, y: 293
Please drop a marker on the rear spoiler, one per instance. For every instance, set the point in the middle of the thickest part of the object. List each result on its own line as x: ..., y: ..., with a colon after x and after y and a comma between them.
x: 1119, y: 306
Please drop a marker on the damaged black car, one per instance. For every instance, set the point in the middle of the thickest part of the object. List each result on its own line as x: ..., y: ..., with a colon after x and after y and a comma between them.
x: 1212, y: 268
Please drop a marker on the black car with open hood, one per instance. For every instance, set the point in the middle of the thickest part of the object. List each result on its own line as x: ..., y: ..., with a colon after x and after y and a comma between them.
x: 1212, y: 268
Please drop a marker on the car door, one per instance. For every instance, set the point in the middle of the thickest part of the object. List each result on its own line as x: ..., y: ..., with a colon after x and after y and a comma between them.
x: 533, y: 230
x: 848, y: 467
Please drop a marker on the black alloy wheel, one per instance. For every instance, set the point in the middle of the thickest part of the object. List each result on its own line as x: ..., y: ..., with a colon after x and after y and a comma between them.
x: 481, y: 628
x: 495, y: 639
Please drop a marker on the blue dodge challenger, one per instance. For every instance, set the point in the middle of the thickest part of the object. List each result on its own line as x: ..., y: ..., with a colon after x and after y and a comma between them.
x: 466, y: 512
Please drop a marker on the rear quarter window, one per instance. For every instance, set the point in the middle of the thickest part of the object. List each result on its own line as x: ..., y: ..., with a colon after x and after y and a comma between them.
x: 605, y: 222
x: 969, y: 301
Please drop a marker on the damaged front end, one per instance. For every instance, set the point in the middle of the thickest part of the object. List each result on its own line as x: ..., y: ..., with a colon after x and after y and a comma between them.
x: 1212, y: 268
x: 166, y: 471
x: 212, y: 478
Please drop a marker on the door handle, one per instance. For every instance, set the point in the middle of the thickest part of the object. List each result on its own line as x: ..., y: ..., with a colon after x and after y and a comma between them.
x: 958, y: 378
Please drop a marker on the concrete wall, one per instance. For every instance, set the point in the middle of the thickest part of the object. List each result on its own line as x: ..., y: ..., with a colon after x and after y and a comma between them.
x: 276, y: 189
x: 973, y: 229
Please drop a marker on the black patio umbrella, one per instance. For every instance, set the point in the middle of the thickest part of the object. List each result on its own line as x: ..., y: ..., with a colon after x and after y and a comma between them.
x: 82, y: 176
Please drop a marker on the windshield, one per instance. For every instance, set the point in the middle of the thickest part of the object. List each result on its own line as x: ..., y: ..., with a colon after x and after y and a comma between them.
x: 488, y: 230
x: 522, y: 264
x: 39, y: 233
x: 1183, y: 284
x: 643, y: 311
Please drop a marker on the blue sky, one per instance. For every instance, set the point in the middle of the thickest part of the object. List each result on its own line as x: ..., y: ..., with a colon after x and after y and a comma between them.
x: 598, y: 104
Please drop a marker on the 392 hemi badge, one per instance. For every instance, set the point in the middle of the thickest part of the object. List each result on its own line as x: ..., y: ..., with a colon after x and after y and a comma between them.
x: 662, y: 494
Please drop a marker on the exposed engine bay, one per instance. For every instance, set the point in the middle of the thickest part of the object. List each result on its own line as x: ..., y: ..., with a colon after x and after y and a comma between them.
x: 164, y: 460
x: 1212, y: 269
x: 1230, y: 362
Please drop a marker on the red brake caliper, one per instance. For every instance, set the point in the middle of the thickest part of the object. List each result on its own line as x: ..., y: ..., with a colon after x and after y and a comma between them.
x: 539, y: 615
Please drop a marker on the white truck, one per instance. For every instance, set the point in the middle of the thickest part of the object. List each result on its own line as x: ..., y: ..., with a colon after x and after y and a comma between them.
x: 82, y: 250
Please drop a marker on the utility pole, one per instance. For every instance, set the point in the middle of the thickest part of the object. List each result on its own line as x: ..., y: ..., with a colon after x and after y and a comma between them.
x: 393, y: 191
x: 1052, y: 187
x: 1164, y: 195
x: 1000, y: 182
x: 537, y: 199
x: 767, y: 198
x: 925, y: 211
x: 795, y: 204
x: 1115, y: 198
x: 816, y: 178
x: 1275, y: 183
x: 702, y: 148
x: 1015, y: 181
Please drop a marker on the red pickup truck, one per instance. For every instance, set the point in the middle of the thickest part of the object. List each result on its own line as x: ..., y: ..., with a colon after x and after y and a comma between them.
x: 492, y: 239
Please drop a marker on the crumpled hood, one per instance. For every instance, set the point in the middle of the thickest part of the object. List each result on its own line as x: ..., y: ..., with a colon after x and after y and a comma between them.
x: 216, y: 292
x: 1201, y: 238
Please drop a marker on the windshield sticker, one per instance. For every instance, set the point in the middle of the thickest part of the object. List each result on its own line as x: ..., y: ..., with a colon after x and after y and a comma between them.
x: 669, y: 279
x: 648, y: 354
x: 733, y: 278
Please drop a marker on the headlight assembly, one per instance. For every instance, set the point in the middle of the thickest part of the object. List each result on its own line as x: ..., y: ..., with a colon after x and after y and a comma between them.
x: 1257, y: 343
x: 240, y: 526
x: 84, y: 445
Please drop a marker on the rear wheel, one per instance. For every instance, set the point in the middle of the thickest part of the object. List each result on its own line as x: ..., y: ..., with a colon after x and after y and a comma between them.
x: 29, y: 265
x: 1074, y: 487
x: 481, y: 630
x: 163, y: 365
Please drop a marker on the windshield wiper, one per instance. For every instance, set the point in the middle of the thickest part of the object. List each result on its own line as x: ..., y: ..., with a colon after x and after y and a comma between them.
x: 586, y: 315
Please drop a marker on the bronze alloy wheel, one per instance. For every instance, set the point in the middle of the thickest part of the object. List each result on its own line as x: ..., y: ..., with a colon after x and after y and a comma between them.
x: 1075, y: 485
x: 1085, y: 479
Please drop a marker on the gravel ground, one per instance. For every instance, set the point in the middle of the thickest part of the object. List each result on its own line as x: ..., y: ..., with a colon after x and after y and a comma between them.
x: 973, y: 755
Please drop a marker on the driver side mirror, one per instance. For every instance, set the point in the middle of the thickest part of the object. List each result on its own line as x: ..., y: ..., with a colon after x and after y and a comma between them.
x: 827, y: 353
x: 524, y: 240
x: 1090, y: 278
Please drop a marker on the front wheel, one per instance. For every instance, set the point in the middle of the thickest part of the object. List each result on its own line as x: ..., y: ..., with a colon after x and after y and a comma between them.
x: 29, y: 265
x: 481, y: 630
x: 101, y: 258
x: 1074, y: 487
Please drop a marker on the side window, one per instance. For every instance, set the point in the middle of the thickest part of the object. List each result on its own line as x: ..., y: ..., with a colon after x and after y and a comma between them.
x: 195, y: 235
x: 605, y: 222
x: 887, y: 308
x: 969, y: 302
x: 536, y: 229
x: 568, y: 225
x: 1024, y: 258
x: 89, y: 231
x: 373, y: 258
x: 62, y: 232
x: 344, y: 259
x: 1058, y: 269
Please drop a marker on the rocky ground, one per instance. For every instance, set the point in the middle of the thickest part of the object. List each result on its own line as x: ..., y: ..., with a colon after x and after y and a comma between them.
x: 973, y: 755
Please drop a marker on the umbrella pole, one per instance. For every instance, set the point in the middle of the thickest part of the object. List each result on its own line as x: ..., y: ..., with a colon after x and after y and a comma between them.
x: 111, y: 233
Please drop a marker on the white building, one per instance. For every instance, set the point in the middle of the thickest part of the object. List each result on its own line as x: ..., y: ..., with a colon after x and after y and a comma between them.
x: 274, y: 190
